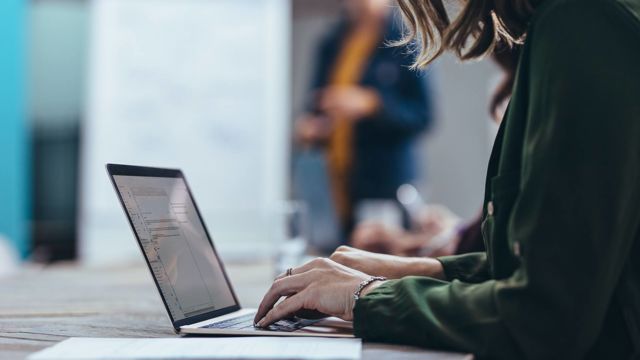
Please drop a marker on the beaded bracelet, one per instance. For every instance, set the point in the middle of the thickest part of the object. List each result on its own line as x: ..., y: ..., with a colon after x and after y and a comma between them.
x: 364, y: 284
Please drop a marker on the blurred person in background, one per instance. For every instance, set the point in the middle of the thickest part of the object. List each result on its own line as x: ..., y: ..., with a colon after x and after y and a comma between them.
x: 437, y: 231
x: 367, y: 108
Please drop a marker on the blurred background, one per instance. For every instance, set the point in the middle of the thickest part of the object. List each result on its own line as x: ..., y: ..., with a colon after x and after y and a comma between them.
x: 258, y: 101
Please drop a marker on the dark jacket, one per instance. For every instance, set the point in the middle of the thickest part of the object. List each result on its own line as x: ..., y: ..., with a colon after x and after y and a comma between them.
x: 561, y: 275
x: 383, y: 144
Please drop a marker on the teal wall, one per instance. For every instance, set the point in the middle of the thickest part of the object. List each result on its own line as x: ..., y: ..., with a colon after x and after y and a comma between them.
x: 14, y: 148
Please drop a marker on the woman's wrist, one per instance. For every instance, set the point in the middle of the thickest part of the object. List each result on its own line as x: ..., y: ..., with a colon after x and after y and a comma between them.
x: 415, y: 267
x: 363, y: 288
x: 370, y: 287
x: 423, y: 266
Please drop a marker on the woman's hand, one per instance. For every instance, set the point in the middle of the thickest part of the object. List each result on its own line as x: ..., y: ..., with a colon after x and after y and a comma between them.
x: 392, y: 267
x: 321, y: 285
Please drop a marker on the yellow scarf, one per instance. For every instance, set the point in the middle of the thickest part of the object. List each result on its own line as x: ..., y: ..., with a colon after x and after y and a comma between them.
x: 348, y: 71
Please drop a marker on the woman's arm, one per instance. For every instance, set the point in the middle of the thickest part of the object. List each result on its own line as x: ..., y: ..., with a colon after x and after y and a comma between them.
x: 389, y: 266
x: 471, y: 268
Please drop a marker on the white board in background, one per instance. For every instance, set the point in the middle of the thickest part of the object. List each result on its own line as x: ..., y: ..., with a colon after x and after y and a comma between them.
x: 202, y: 85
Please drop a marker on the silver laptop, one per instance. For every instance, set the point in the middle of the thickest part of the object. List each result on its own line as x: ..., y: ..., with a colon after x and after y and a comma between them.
x: 187, y: 271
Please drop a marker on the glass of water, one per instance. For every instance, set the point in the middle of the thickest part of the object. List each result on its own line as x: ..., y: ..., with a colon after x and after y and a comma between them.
x: 292, y: 234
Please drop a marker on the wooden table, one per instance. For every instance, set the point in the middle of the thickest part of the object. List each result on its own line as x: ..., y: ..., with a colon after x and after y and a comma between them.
x: 42, y: 306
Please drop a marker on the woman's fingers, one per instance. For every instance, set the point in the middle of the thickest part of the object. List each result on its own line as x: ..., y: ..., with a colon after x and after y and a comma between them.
x: 313, y: 264
x: 282, y: 287
x: 287, y: 308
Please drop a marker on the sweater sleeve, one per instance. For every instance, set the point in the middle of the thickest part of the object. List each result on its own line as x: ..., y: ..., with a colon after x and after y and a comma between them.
x: 471, y: 268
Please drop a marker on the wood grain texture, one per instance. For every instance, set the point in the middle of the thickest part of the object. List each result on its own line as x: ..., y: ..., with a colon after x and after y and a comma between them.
x: 42, y: 306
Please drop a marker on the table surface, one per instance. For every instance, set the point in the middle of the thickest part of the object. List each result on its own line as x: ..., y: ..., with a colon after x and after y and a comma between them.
x: 41, y: 306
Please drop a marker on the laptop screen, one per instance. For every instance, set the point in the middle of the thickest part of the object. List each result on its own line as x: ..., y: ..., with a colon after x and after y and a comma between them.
x: 173, y: 238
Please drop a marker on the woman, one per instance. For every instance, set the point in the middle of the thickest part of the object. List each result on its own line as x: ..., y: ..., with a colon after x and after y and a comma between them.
x: 367, y: 109
x: 561, y: 274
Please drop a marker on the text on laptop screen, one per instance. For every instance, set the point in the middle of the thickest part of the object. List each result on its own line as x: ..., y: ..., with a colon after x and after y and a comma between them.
x: 175, y: 243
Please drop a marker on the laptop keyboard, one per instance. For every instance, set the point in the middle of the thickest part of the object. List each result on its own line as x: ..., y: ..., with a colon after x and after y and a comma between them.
x: 246, y: 322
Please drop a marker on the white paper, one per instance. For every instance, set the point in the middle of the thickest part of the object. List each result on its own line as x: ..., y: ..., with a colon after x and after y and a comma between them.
x: 203, y: 348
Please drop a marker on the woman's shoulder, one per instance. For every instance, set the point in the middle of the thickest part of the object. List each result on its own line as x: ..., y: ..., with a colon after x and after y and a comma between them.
x: 579, y: 15
x: 569, y: 30
x: 586, y: 42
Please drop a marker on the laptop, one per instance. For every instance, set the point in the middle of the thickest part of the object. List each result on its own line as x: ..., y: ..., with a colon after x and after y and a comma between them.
x: 188, y: 273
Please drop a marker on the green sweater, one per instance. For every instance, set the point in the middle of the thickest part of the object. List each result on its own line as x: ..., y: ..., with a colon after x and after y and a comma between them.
x: 561, y: 275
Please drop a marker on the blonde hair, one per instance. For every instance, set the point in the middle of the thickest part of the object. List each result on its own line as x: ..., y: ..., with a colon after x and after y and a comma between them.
x: 473, y: 33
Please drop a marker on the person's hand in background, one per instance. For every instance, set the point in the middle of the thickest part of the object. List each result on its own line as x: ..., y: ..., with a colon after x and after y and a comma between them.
x: 438, y: 228
x: 375, y: 236
x: 350, y: 103
x: 389, y: 266
x: 380, y: 238
x: 434, y: 219
x: 435, y: 235
x: 312, y: 129
x: 347, y: 103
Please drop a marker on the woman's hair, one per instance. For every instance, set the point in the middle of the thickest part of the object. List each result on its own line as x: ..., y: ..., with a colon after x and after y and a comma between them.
x: 473, y: 33
x: 507, y: 59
